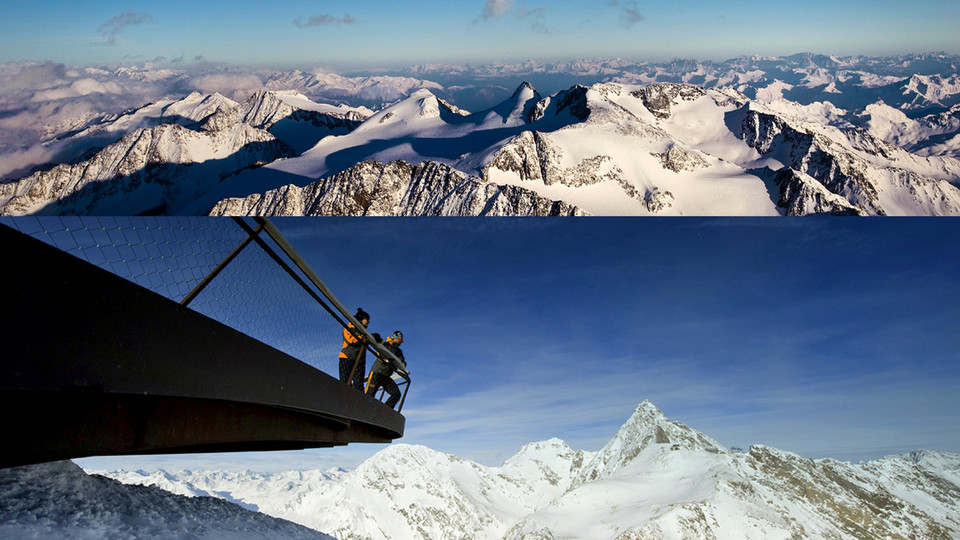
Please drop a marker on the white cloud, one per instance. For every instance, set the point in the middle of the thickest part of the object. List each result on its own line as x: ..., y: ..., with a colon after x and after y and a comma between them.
x: 42, y: 102
x: 17, y: 160
x: 236, y: 86
x: 494, y: 9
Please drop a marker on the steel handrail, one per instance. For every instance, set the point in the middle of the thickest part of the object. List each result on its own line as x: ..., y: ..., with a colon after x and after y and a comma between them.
x: 352, y: 325
x: 295, y: 257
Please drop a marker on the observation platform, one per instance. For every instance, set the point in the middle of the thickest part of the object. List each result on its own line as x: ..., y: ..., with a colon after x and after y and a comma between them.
x: 96, y: 365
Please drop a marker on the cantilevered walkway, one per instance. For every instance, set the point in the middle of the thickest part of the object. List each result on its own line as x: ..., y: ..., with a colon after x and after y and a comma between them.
x: 96, y: 364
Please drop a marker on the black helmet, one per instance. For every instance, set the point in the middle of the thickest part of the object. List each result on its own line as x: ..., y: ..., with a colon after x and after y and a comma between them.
x: 397, y: 335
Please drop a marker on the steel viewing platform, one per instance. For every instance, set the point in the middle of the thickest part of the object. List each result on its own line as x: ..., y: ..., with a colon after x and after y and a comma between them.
x: 95, y: 364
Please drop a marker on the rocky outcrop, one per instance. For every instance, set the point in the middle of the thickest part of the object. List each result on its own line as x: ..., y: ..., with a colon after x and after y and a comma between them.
x: 533, y: 157
x: 398, y: 188
x: 659, y: 98
x: 801, y: 195
x: 855, y: 168
x: 657, y: 200
x: 573, y: 102
x: 530, y: 156
x: 678, y: 159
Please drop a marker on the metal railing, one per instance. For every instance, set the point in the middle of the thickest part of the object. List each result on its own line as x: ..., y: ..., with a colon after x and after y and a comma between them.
x: 209, y: 265
x: 370, y: 342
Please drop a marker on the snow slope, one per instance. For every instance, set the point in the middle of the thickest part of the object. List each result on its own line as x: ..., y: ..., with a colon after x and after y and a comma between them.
x: 59, y: 500
x: 150, y: 170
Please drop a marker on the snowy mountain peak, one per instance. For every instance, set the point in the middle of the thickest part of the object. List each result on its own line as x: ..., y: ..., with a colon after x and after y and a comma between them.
x: 406, y: 455
x: 539, y: 451
x: 429, y: 104
x: 264, y: 109
x: 261, y: 110
x: 647, y: 428
x: 646, y: 408
x: 649, y: 425
x: 519, y: 109
x: 525, y: 92
x: 942, y: 463
x: 419, y: 105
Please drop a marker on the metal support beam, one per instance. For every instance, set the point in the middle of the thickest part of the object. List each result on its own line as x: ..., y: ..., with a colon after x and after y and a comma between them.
x: 96, y: 365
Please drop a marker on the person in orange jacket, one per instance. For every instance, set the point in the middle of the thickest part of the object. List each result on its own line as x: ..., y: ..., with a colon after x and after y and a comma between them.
x: 353, y: 346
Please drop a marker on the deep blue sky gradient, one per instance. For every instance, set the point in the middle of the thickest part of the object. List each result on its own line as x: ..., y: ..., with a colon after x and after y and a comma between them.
x: 825, y: 337
x: 369, y: 33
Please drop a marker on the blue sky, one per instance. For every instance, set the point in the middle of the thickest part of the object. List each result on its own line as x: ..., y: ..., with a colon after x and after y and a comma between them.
x: 825, y: 337
x: 369, y: 33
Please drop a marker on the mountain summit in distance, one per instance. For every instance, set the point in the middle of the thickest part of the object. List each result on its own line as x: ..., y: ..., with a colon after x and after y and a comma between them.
x: 655, y: 478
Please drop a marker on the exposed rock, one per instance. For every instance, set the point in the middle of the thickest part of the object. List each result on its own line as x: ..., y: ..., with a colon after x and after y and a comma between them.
x: 659, y: 98
x: 533, y: 157
x: 658, y: 200
x: 574, y: 101
x: 802, y: 195
x: 397, y: 188
x: 679, y: 159
x: 839, y: 171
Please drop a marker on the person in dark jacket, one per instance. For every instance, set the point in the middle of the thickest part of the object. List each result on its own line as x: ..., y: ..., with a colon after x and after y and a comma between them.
x: 352, y: 351
x: 380, y: 375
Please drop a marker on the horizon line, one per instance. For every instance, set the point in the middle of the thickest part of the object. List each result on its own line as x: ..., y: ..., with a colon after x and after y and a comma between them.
x: 167, y: 63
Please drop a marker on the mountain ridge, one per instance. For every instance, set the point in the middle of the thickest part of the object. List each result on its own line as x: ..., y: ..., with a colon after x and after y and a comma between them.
x: 656, y: 478
x: 604, y: 149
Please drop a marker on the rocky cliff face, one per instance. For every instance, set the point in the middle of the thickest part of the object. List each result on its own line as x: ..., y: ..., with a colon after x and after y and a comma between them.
x: 802, y: 195
x: 397, y: 189
x: 872, y: 176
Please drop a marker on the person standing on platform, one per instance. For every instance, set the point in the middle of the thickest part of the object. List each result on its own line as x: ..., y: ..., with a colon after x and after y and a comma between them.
x: 352, y: 356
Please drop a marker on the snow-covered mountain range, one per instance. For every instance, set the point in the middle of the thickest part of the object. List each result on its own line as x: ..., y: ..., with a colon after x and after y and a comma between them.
x: 656, y: 478
x: 791, y: 136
